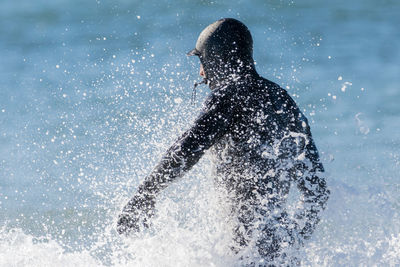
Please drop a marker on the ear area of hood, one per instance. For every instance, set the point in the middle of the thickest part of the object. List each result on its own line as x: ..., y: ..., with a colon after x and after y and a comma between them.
x: 193, y: 52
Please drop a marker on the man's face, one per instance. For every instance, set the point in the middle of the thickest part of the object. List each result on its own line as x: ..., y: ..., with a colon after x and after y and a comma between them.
x: 202, y: 74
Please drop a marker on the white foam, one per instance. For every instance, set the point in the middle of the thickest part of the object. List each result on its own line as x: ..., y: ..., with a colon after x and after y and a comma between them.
x: 19, y: 249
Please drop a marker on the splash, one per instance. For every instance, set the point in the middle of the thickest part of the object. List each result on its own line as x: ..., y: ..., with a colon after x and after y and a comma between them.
x: 20, y: 249
x: 362, y: 124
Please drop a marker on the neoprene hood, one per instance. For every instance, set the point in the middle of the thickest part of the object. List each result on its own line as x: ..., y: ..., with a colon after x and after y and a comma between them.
x: 225, y: 49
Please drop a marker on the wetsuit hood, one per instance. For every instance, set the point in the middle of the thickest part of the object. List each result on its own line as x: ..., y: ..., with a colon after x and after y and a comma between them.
x: 225, y: 49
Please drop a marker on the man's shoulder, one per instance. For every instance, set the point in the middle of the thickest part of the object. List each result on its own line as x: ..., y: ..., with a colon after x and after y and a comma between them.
x: 265, y: 83
x: 276, y: 91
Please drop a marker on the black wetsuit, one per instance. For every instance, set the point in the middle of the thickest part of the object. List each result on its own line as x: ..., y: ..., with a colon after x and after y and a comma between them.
x: 261, y: 144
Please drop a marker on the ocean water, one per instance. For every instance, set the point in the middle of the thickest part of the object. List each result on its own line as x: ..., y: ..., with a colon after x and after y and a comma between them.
x: 92, y: 93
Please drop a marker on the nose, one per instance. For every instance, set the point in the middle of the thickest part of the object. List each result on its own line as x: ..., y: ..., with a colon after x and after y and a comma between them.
x: 202, y: 71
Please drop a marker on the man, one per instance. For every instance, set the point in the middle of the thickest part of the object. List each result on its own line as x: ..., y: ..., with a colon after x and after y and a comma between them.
x: 260, y: 141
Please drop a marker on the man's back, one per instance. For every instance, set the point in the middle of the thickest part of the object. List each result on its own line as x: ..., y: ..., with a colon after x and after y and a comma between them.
x: 265, y: 128
x: 266, y: 146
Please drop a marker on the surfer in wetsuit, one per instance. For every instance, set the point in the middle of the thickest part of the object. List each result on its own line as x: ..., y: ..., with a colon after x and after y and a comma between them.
x: 261, y: 144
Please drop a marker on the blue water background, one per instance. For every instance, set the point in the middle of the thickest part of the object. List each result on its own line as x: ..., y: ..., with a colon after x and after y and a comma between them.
x: 92, y: 93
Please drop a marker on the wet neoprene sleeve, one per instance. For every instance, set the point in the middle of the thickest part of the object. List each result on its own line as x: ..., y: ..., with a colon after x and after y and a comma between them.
x: 315, y: 195
x: 211, y: 125
x: 309, y: 174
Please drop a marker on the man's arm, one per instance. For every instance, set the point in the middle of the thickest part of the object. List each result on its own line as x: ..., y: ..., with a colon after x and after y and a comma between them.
x: 315, y: 195
x: 211, y: 125
x: 307, y: 173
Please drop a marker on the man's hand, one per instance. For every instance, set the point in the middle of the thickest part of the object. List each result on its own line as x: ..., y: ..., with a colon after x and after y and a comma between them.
x: 136, y: 214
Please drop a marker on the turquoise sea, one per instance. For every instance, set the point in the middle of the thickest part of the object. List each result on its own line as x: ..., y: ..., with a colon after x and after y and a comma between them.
x: 92, y: 92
